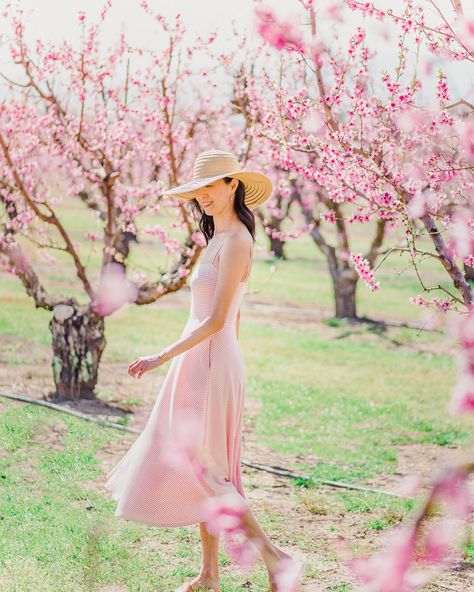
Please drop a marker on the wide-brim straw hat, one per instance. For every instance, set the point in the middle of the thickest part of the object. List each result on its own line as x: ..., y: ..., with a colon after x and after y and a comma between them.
x: 213, y: 165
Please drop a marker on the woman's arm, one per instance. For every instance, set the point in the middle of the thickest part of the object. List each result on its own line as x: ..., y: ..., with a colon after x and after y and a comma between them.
x: 237, y: 323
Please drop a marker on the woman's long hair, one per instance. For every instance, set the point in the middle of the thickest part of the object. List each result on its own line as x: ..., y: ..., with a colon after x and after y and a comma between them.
x: 245, y: 214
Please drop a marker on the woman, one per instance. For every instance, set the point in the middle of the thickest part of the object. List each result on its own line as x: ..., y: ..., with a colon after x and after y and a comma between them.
x: 206, y: 377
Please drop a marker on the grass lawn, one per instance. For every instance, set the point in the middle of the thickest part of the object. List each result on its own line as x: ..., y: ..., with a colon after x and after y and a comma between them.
x: 344, y: 395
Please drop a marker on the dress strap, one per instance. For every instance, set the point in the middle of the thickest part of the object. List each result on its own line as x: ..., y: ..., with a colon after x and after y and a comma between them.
x: 214, y: 257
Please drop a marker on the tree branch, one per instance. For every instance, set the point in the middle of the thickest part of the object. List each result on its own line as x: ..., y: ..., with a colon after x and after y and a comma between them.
x: 50, y: 219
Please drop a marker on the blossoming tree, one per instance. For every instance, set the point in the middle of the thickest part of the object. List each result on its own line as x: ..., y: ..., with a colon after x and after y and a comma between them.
x: 364, y: 148
x: 108, y: 128
x: 408, y: 164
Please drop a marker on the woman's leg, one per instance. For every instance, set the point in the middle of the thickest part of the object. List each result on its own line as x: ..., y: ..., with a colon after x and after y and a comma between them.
x: 270, y: 553
x: 210, y: 553
x: 209, y: 574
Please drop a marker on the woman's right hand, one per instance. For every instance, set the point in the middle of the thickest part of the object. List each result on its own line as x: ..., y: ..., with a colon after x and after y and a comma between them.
x: 144, y: 364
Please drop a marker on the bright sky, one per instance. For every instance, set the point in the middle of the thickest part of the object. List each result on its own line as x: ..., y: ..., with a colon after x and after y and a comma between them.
x: 54, y: 19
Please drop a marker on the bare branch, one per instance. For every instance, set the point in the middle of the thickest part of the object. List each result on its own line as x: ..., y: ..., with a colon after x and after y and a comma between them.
x: 48, y: 218
x: 33, y: 286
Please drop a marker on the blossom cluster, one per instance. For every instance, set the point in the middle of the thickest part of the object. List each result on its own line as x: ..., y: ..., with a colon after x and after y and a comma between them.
x: 362, y: 267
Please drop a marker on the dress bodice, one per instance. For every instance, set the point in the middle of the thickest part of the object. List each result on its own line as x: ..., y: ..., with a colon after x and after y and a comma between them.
x: 203, y: 282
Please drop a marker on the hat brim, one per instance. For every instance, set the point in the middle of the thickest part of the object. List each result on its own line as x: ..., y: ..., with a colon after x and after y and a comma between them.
x: 258, y: 187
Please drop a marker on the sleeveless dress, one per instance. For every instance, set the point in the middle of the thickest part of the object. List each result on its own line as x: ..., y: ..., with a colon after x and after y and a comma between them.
x: 208, y: 382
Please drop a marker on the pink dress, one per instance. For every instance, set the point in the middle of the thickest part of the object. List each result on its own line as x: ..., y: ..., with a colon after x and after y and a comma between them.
x: 208, y: 381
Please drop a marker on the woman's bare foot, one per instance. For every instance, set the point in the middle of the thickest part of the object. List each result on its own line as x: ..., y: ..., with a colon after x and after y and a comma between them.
x: 200, y: 582
x: 283, y: 559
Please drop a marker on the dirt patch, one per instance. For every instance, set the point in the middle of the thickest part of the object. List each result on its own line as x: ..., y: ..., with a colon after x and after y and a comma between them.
x: 34, y: 378
x: 421, y: 460
x: 305, y: 523
x: 277, y: 313
x: 52, y: 437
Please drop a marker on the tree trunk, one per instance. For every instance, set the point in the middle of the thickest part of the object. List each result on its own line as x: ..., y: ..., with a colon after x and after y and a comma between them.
x: 345, y: 284
x: 78, y: 342
x: 469, y: 273
x: 276, y: 245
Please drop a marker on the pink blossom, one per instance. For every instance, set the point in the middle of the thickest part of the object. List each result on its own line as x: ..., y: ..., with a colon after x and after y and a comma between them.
x: 462, y: 396
x: 439, y: 544
x: 390, y: 570
x: 469, y: 261
x: 114, y: 290
x: 452, y: 488
x: 289, y: 575
x: 17, y: 257
x: 417, y: 205
x: 242, y: 550
x: 92, y: 236
x: 466, y: 139
x: 462, y: 232
x: 362, y: 267
x: 462, y: 328
x: 436, y: 303
x: 316, y: 49
x: 333, y: 10
x: 279, y: 34
x: 442, y: 89
x: 225, y: 512
x: 329, y: 216
x: 181, y: 447
x: 466, y: 31
x: 410, y: 119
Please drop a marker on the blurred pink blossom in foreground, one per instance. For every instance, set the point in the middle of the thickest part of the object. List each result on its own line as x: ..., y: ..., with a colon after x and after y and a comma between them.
x: 411, y: 553
x: 289, y: 574
x: 390, y: 569
x: 279, y: 34
x: 224, y: 515
x: 114, y: 290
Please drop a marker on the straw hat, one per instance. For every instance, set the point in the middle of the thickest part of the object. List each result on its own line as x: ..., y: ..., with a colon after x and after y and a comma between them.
x: 216, y: 164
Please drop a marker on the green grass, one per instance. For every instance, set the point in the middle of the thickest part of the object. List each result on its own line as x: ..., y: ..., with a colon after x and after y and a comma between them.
x: 347, y: 402
x: 344, y: 395
x: 56, y: 533
x: 305, y: 270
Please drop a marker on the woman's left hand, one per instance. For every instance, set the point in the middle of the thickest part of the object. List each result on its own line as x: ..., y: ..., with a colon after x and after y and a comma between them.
x: 144, y: 364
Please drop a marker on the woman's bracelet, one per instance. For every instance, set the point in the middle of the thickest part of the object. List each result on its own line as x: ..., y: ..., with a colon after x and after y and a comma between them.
x: 163, y: 353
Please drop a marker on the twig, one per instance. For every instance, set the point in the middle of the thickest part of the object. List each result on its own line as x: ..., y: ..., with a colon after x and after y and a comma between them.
x: 341, y: 484
x: 57, y: 407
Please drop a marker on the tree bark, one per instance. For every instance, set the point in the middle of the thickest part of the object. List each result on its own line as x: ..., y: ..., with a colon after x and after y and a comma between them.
x: 78, y: 342
x: 275, y: 224
x: 345, y: 285
x: 448, y: 262
x: 344, y: 278
x: 469, y: 273
x: 277, y: 246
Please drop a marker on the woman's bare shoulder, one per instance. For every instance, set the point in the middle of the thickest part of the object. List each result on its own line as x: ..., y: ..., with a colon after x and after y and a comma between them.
x: 241, y: 236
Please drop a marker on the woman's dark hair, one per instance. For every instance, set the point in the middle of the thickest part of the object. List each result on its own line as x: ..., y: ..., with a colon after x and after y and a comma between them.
x: 245, y: 214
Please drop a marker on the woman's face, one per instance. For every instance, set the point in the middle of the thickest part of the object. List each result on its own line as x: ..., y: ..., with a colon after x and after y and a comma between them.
x: 216, y: 197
